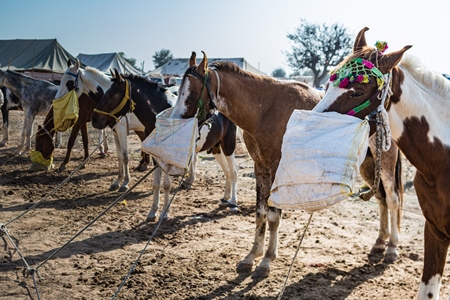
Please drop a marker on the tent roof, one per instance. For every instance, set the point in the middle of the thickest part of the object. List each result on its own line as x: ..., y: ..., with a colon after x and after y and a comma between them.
x: 108, y: 61
x: 37, y: 55
x: 180, y: 65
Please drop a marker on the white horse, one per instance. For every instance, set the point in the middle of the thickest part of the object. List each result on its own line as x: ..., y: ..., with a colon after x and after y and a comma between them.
x: 94, y: 83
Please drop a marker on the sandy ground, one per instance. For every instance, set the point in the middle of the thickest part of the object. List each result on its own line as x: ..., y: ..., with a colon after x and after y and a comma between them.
x: 194, y: 253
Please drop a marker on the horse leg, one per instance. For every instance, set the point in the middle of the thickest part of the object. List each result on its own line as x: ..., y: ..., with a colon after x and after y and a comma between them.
x: 434, y: 262
x: 262, y: 211
x: 25, y: 140
x: 58, y: 139
x: 73, y: 136
x: 101, y: 143
x: 121, y: 142
x: 151, y: 217
x: 228, y: 165
x: 166, y: 187
x: 144, y: 161
x: 187, y: 184
x: 5, y: 116
x: 85, y: 139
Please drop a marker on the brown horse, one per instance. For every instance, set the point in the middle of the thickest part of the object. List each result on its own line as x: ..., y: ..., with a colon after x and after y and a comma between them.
x: 261, y: 106
x: 419, y: 119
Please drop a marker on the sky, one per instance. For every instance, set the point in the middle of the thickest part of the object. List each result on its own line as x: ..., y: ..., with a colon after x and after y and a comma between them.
x: 253, y: 29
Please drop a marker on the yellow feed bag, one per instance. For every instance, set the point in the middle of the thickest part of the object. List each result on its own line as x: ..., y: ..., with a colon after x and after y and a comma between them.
x: 37, y: 157
x: 65, y: 111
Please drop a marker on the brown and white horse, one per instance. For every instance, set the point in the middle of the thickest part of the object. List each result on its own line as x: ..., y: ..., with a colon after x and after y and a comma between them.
x: 418, y: 111
x: 261, y: 106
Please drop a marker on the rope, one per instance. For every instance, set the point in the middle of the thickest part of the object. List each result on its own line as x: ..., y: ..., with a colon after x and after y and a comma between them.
x: 163, y: 213
x: 99, y: 216
x: 293, y: 259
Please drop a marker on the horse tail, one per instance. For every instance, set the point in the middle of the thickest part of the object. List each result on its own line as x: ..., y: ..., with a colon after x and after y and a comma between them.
x: 399, y: 187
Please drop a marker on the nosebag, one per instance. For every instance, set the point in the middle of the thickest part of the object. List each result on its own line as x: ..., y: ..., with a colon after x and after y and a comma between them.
x: 172, y: 142
x: 320, y: 159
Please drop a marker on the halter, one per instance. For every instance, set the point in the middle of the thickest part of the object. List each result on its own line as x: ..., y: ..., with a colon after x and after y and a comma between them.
x: 206, y: 83
x: 122, y: 103
x: 75, y: 82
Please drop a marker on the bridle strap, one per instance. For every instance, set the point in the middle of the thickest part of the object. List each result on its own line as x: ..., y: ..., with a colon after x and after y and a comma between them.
x: 126, y: 98
x: 206, y: 83
x: 75, y: 83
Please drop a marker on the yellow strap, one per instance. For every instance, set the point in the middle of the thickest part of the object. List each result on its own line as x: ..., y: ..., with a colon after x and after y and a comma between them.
x: 121, y: 104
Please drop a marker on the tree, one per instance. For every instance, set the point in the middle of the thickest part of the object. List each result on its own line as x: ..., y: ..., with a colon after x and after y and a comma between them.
x: 318, y: 48
x: 161, y: 57
x: 279, y: 73
x: 130, y: 60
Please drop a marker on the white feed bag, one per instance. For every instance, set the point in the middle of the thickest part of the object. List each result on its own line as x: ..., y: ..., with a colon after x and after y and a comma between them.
x: 172, y: 142
x: 320, y: 158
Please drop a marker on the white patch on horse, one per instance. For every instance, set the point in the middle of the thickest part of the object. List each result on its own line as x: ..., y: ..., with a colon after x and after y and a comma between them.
x: 180, y: 107
x: 203, y: 134
x: 331, y: 95
x: 430, y: 289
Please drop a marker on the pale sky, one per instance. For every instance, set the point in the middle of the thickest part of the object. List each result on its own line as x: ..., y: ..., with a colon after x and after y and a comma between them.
x: 253, y: 29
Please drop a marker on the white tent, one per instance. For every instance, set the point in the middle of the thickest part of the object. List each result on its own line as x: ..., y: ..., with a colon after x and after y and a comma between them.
x: 108, y: 61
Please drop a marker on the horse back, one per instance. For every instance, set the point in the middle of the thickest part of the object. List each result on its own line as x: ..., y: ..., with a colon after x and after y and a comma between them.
x: 220, y: 135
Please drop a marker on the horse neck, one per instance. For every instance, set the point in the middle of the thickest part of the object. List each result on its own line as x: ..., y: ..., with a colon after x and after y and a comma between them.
x: 419, y: 121
x: 92, y: 82
x: 148, y: 104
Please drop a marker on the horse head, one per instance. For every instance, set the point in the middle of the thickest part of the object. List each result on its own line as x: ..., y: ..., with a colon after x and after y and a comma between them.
x: 110, y: 106
x: 70, y: 80
x: 44, y: 142
x: 358, y: 82
x: 194, y: 94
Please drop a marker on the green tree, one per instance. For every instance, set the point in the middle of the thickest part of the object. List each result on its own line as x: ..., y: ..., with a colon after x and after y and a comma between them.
x: 161, y: 57
x: 279, y: 73
x: 318, y: 48
x: 130, y: 60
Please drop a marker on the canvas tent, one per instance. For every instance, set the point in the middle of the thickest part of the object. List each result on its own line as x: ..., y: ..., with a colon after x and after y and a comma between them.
x: 177, y: 67
x: 42, y: 59
x: 108, y: 61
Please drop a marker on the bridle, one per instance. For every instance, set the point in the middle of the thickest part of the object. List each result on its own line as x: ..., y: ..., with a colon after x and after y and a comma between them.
x: 202, y: 115
x: 125, y: 100
x: 75, y: 82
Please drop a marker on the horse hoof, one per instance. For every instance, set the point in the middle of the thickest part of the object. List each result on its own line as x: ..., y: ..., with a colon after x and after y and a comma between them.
x: 113, y: 187
x: 3, y: 144
x: 234, y: 209
x: 244, y: 267
x: 61, y: 168
x: 186, y: 186
x: 390, y: 258
x: 150, y: 219
x: 261, y: 273
x: 123, y: 188
x: 102, y: 155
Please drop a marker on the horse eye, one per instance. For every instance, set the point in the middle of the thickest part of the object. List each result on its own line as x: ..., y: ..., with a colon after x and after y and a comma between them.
x: 356, y: 95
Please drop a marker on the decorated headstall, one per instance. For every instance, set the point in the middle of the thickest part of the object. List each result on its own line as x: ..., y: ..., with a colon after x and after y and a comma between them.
x: 360, y: 70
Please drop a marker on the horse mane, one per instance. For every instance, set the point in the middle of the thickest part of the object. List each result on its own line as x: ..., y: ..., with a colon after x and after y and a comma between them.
x: 230, y: 67
x: 94, y: 71
x: 423, y: 75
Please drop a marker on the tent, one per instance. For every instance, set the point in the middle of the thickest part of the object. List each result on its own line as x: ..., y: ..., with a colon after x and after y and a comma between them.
x: 42, y: 59
x: 177, y: 67
x: 108, y: 61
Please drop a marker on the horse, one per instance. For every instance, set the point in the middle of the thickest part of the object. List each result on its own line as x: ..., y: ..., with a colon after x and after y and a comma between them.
x: 93, y: 83
x: 25, y: 93
x: 258, y: 105
x: 217, y: 135
x: 417, y: 112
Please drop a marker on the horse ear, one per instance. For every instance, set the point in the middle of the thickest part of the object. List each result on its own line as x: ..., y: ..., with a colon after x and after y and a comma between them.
x: 111, y: 72
x: 360, y: 40
x: 389, y: 61
x: 203, y: 65
x: 118, y: 76
x: 69, y: 63
x: 192, y: 61
x: 77, y: 64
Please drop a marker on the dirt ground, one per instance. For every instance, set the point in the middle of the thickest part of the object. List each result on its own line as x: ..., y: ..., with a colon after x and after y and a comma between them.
x: 194, y: 253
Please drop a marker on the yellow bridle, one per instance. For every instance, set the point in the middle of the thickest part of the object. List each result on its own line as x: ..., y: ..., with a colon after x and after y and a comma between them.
x: 121, y: 104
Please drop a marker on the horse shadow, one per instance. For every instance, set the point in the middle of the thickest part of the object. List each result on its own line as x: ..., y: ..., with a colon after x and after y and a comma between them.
x: 330, y: 283
x: 118, y: 239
